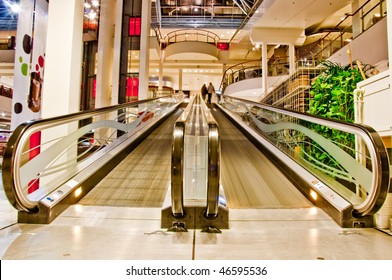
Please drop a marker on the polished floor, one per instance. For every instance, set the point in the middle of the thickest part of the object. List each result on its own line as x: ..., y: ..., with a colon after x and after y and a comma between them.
x: 269, y: 219
x: 115, y: 233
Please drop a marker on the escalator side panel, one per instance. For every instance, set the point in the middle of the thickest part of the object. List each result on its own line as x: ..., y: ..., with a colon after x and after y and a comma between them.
x: 341, y: 215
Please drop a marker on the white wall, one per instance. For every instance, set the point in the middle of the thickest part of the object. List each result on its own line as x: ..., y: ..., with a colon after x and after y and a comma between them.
x: 370, y: 47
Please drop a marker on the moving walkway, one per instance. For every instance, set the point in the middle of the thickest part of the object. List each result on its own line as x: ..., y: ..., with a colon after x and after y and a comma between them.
x: 350, y: 186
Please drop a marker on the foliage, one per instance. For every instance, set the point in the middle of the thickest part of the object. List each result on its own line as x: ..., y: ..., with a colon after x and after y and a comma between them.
x: 332, y: 92
x: 332, y: 96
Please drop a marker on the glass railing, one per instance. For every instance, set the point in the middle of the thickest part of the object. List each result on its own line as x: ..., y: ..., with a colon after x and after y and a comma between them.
x: 348, y: 165
x: 49, y: 160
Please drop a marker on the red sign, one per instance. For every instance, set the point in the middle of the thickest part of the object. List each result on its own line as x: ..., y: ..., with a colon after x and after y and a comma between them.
x: 134, y: 26
x: 223, y: 46
x: 133, y: 86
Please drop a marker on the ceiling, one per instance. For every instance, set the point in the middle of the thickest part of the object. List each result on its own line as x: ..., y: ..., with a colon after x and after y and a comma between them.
x: 231, y: 20
x: 203, y: 14
x: 8, y: 19
x: 312, y: 16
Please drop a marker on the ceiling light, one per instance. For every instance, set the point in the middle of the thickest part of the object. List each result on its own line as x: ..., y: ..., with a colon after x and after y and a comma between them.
x: 15, y: 8
x: 92, y: 15
x: 95, y: 3
x: 87, y: 5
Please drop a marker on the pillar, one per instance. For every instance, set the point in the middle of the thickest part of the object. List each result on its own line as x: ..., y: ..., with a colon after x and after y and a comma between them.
x: 116, y: 53
x: 160, y: 79
x: 105, y: 54
x: 389, y: 29
x: 291, y: 59
x: 144, y: 50
x: 63, y: 59
x: 180, y: 81
x: 264, y: 66
x: 356, y: 19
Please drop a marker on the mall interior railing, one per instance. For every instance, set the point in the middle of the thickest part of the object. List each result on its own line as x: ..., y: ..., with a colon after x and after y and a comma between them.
x: 50, y: 164
x: 190, y: 35
x: 369, y: 13
x: 341, y: 167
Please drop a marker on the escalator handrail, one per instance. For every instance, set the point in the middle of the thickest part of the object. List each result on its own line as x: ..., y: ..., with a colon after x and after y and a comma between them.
x: 213, y: 169
x: 11, y: 161
x: 377, y: 152
x: 177, y: 164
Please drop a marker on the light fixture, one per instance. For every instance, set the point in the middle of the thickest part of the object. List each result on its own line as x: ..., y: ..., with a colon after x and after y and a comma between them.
x: 15, y: 8
x: 95, y: 3
x: 92, y: 15
x: 12, y: 6
x: 78, y: 192
x: 313, y: 194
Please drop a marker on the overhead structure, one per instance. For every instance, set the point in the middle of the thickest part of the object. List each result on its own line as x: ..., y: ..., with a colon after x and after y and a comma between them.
x: 203, y: 14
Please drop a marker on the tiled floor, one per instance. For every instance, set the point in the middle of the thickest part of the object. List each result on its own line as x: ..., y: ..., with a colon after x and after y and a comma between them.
x: 8, y: 214
x: 296, y: 231
x: 114, y: 233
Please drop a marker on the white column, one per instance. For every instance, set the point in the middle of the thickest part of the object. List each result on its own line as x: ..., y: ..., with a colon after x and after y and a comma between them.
x: 144, y: 50
x: 389, y: 34
x: 264, y: 66
x: 291, y: 59
x: 160, y: 79
x: 105, y: 53
x: 63, y: 71
x: 180, y: 81
x: 63, y: 59
x: 356, y: 20
x: 117, y: 52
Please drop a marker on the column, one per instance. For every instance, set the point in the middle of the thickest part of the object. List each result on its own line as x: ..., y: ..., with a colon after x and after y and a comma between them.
x: 389, y: 28
x: 291, y: 59
x: 180, y: 81
x: 144, y: 50
x: 63, y: 71
x: 63, y: 59
x: 356, y: 19
x: 117, y: 53
x: 160, y: 79
x: 264, y: 67
x: 105, y: 54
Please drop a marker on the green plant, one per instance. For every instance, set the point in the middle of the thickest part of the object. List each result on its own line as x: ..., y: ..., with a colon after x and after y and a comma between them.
x: 332, y: 96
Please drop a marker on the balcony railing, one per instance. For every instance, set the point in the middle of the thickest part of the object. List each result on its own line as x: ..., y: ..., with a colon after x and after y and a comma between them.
x: 369, y: 13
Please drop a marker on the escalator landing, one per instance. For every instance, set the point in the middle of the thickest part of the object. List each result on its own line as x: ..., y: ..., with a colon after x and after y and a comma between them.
x: 114, y: 233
